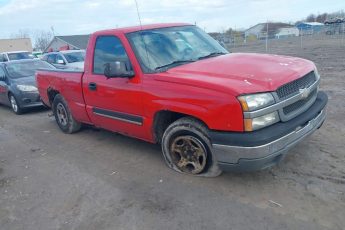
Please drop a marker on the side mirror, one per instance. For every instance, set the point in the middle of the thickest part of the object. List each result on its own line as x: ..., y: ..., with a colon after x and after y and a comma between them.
x: 61, y: 62
x: 117, y: 69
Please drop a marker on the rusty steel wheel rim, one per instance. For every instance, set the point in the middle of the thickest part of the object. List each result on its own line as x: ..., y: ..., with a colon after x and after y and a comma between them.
x: 188, y: 154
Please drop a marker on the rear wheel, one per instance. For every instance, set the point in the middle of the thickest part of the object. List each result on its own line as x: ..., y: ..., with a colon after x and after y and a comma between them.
x: 15, y: 105
x: 187, y: 149
x: 63, y: 116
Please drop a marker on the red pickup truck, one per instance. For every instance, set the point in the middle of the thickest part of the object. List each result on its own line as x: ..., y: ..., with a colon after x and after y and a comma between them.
x: 173, y: 84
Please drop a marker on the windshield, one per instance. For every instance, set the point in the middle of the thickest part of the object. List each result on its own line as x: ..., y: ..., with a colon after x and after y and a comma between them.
x: 75, y: 56
x: 26, y: 69
x: 160, y: 49
x: 19, y: 56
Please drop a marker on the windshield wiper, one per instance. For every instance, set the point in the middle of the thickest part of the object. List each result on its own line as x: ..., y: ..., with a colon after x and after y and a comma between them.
x: 213, y: 54
x: 173, y: 64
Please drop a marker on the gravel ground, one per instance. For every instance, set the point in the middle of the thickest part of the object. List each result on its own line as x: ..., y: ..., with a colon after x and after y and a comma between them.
x: 100, y: 180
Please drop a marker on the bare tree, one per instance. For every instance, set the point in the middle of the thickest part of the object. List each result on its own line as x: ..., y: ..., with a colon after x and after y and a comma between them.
x: 322, y: 17
x: 42, y: 39
x: 311, y: 18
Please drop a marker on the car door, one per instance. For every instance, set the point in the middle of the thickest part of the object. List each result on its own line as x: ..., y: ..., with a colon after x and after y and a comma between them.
x: 113, y: 103
x: 3, y: 86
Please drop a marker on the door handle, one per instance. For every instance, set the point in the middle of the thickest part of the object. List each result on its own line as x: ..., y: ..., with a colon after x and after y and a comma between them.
x: 92, y: 86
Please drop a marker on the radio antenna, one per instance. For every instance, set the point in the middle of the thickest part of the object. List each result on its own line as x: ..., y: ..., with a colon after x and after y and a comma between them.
x: 136, y: 4
x: 141, y: 29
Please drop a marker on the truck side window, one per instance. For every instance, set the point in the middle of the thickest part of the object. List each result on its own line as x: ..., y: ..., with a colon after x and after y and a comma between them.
x: 108, y: 49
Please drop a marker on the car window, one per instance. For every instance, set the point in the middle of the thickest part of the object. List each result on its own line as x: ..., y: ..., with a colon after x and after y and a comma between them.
x: 2, y: 73
x: 108, y: 49
x: 75, y: 56
x: 3, y: 58
x: 25, y: 69
x: 51, y: 58
x: 45, y: 57
x: 20, y: 56
x: 59, y: 57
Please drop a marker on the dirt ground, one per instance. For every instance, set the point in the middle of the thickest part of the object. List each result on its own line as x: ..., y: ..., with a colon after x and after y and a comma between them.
x: 100, y: 180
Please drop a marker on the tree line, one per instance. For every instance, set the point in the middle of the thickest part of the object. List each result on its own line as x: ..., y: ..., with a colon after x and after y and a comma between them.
x: 324, y: 16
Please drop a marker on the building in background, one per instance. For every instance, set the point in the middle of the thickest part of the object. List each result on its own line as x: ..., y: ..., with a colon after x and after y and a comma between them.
x: 287, y: 32
x: 306, y: 28
x: 260, y: 30
x: 71, y: 42
x: 16, y: 44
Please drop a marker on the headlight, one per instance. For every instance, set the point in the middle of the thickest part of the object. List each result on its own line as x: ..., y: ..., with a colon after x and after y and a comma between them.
x: 260, y: 122
x: 256, y: 101
x: 27, y: 88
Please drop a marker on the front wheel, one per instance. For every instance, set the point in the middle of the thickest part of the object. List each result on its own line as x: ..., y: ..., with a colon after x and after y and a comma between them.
x: 187, y: 149
x: 63, y: 116
x: 15, y: 105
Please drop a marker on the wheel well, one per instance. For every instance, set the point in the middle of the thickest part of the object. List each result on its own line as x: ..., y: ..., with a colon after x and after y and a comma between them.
x: 163, y: 119
x: 51, y: 95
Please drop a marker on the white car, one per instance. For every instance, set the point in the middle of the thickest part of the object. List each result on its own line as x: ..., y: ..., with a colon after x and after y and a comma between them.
x: 15, y: 55
x: 67, y: 59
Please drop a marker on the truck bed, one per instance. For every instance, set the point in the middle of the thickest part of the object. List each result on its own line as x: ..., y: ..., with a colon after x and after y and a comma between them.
x: 67, y: 83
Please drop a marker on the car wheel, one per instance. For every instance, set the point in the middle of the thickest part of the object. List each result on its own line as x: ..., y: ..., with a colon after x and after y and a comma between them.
x: 15, y: 105
x: 187, y: 149
x: 63, y: 116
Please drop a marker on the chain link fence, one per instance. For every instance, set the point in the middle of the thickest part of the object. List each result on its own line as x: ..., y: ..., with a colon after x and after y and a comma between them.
x: 269, y: 39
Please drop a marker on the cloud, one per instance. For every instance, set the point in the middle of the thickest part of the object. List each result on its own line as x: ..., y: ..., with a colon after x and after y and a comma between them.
x: 86, y: 16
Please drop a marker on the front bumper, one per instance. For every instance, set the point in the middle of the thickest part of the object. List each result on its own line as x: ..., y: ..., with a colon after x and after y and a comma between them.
x: 264, y: 148
x: 30, y: 99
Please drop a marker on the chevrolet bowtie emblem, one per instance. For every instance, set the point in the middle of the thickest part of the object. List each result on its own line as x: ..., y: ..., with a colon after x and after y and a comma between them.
x: 304, y: 93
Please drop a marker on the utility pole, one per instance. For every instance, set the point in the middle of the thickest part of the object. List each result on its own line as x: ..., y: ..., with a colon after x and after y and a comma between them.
x: 53, y: 31
x: 267, y: 36
x: 301, y: 35
x: 342, y: 37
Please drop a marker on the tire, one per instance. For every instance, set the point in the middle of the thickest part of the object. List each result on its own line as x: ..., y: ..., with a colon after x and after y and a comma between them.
x: 187, y: 148
x: 63, y: 116
x: 15, y: 105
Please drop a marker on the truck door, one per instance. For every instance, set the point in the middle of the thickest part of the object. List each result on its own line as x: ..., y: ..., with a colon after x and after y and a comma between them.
x: 115, y: 103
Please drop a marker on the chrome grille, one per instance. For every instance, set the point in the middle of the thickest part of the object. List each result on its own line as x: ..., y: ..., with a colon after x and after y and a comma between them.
x: 293, y: 87
x: 298, y: 104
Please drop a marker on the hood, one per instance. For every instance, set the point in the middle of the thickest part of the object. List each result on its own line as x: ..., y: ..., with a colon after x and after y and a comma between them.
x: 239, y: 73
x: 31, y: 80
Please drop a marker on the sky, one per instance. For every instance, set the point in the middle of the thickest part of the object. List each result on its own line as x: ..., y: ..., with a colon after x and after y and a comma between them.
x: 68, y: 17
